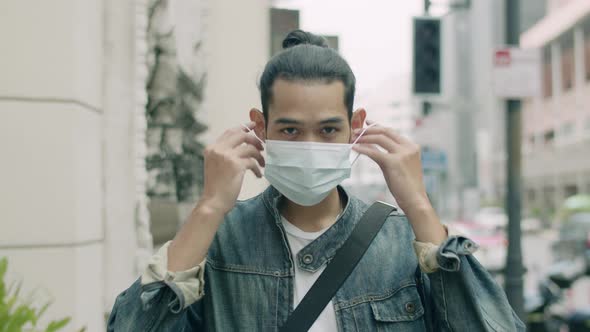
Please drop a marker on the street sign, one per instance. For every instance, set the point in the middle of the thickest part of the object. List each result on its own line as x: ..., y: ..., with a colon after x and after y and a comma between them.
x: 433, y: 160
x: 517, y: 72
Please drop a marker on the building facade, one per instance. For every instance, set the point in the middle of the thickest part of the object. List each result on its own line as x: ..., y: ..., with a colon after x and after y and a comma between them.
x: 556, y: 133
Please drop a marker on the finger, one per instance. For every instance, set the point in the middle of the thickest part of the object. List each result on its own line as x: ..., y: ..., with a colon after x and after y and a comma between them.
x: 254, y: 141
x: 389, y: 132
x: 382, y: 140
x: 246, y: 127
x: 253, y: 166
x: 250, y: 151
x: 234, y: 138
x: 370, y: 151
x: 399, y: 137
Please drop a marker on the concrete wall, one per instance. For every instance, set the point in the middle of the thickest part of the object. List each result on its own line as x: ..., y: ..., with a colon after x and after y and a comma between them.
x: 72, y: 101
x: 52, y: 110
x: 69, y: 136
x: 238, y: 44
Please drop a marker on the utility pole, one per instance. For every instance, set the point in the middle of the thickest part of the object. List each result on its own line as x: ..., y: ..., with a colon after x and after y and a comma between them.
x: 514, y: 268
x: 426, y: 7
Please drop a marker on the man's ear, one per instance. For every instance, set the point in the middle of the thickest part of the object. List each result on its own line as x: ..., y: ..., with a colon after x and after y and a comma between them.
x: 260, y: 128
x: 358, y: 119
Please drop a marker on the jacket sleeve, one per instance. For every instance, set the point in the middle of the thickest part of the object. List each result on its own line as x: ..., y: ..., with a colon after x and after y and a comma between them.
x: 161, y: 300
x: 464, y: 296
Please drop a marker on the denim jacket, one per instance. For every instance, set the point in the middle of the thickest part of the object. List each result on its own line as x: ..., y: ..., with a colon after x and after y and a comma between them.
x: 249, y: 278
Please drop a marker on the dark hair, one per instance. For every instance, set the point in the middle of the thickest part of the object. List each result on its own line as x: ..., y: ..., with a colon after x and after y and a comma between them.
x: 307, y: 57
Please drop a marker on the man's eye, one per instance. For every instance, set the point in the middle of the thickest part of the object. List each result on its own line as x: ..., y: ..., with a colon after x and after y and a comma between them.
x: 329, y: 130
x: 289, y: 131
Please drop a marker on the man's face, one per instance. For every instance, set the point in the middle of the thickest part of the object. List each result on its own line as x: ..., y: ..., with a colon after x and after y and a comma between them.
x: 308, y: 111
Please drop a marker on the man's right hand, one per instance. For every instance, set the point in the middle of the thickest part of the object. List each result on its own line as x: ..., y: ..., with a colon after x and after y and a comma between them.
x: 226, y: 162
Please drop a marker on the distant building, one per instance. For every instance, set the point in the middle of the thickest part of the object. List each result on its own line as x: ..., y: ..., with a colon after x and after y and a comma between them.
x: 556, y: 133
x: 282, y: 21
x: 333, y: 42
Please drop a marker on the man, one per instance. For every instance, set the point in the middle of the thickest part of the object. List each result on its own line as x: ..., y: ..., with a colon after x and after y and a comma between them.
x: 244, y: 266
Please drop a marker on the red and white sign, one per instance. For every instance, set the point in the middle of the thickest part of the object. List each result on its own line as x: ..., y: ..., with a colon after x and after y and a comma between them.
x: 517, y: 73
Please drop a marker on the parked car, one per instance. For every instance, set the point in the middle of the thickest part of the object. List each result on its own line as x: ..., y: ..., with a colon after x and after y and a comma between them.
x: 491, y: 241
x: 492, y: 216
x: 574, y: 239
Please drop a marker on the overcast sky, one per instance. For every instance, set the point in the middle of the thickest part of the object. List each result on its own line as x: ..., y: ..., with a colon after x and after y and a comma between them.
x: 375, y: 35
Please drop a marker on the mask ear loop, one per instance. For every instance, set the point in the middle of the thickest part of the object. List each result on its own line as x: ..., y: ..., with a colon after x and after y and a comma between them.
x: 252, y: 131
x: 356, y: 140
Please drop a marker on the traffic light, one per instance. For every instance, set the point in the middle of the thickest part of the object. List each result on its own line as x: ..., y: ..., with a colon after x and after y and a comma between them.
x: 427, y: 55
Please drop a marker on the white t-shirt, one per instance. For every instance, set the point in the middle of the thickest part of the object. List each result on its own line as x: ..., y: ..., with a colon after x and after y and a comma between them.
x: 298, y: 240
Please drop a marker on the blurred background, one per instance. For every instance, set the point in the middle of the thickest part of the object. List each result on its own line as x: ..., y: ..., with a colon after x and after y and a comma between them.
x: 106, y: 106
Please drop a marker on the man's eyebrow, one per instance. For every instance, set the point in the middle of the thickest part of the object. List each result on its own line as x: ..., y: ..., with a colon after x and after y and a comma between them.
x: 287, y: 121
x: 334, y: 120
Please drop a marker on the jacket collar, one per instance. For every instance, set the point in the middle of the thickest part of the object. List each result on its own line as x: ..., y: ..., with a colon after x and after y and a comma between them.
x: 323, y: 249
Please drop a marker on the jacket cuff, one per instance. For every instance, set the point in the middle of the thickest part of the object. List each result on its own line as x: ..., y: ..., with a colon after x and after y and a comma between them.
x: 449, y: 253
x: 188, y: 285
x: 431, y: 257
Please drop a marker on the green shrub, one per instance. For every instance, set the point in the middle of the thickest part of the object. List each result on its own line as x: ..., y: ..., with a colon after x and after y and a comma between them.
x: 17, y: 315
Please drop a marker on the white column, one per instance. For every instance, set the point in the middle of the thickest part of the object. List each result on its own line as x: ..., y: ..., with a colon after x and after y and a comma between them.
x: 127, y: 238
x: 51, y: 195
x: 144, y: 244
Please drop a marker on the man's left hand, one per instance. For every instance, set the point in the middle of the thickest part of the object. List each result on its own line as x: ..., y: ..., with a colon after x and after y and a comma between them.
x: 399, y: 160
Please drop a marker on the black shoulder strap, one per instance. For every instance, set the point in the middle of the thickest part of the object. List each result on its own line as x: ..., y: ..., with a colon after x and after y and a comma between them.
x: 338, y: 270
x: 424, y: 298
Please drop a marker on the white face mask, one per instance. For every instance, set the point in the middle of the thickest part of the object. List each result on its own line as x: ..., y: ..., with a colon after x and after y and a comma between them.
x: 306, y: 172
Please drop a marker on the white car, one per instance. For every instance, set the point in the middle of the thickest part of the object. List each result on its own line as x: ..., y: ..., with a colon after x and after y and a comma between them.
x: 494, y: 217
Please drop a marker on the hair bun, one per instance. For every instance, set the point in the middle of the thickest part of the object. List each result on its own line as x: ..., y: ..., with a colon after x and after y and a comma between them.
x: 300, y: 37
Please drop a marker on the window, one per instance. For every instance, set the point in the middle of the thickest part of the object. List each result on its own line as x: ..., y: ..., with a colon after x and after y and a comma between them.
x: 566, y: 44
x: 549, y: 137
x: 570, y: 190
x: 549, y: 198
x: 567, y: 130
x: 547, y: 73
x: 532, y: 139
x: 531, y: 194
x: 586, y: 28
x: 565, y: 133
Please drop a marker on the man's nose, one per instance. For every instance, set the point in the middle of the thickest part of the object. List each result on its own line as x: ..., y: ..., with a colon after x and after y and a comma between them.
x: 310, y: 137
